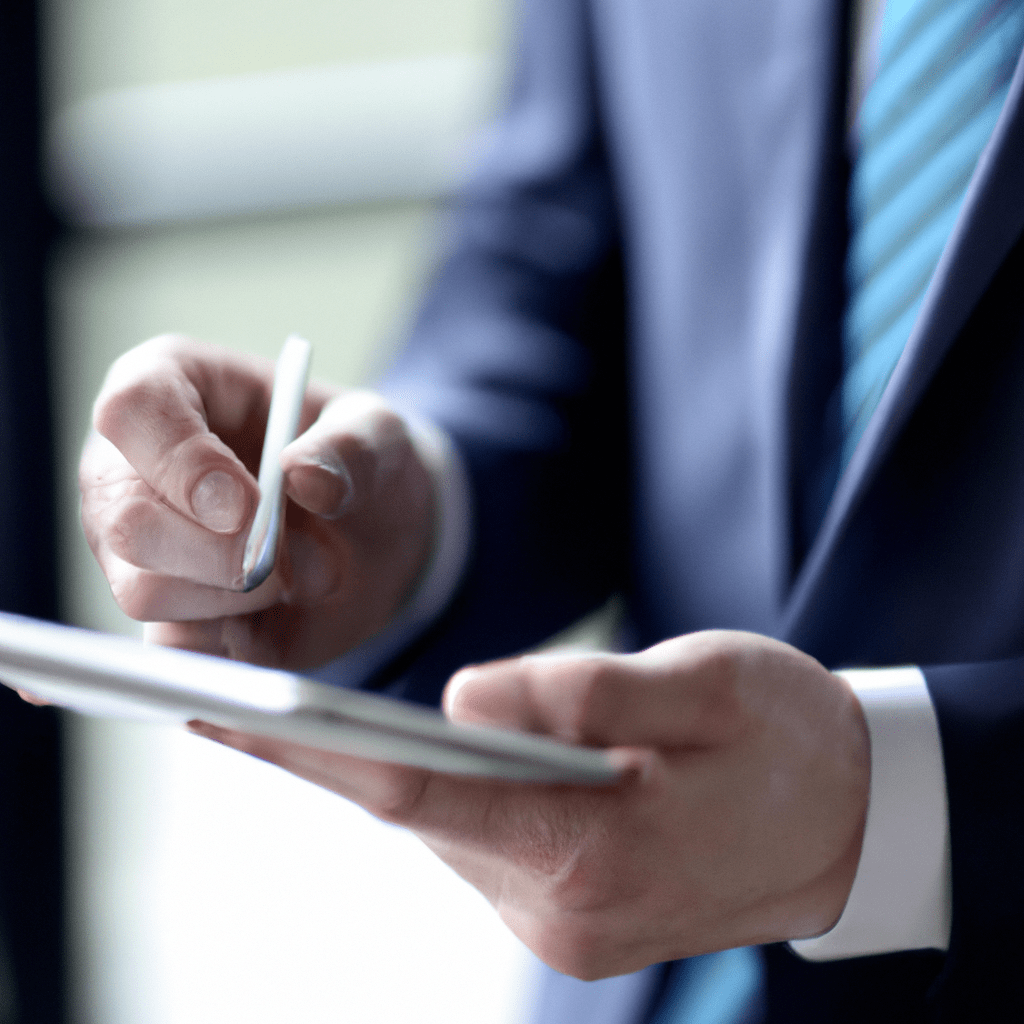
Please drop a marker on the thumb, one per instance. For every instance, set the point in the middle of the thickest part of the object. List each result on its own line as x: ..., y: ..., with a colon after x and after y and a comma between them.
x: 336, y: 464
x: 671, y: 694
x: 557, y: 695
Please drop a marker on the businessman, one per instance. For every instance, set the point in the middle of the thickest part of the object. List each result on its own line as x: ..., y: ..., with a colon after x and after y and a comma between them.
x: 681, y: 351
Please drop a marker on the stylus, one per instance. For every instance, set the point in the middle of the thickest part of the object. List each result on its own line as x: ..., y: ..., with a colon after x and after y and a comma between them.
x: 290, y: 376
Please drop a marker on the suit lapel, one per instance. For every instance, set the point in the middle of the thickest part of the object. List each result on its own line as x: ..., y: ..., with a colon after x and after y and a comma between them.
x: 991, y: 221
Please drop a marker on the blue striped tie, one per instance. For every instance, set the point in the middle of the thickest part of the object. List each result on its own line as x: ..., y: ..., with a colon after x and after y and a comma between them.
x: 944, y: 71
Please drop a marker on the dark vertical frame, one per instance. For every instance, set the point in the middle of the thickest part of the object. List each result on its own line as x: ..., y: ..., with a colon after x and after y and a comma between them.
x: 31, y: 861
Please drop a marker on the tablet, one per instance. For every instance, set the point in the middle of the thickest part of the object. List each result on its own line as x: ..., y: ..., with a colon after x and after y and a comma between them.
x: 109, y: 676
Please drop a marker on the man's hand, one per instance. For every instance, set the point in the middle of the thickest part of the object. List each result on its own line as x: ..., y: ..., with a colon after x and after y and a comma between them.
x: 169, y: 491
x: 738, y: 818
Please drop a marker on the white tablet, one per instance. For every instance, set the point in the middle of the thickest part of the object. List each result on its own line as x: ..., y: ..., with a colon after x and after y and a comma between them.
x: 108, y: 676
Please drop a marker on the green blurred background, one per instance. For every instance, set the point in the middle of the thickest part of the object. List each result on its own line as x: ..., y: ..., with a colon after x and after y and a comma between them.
x: 207, y: 887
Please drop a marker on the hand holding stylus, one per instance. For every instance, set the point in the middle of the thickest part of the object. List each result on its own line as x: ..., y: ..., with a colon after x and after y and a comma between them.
x: 169, y: 498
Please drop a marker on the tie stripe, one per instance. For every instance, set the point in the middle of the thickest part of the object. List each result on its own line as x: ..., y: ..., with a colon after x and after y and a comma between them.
x: 944, y: 71
x: 917, y: 60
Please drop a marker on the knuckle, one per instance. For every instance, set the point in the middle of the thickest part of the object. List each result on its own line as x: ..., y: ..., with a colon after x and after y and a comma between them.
x: 115, y: 513
x: 571, y: 944
x: 116, y: 408
x: 391, y: 430
x: 101, y: 467
x: 723, y: 694
x: 128, y: 527
x: 725, y: 676
x: 581, y: 886
x: 126, y: 522
x: 132, y: 593
x: 591, y: 682
x: 140, y: 380
x: 399, y: 793
x: 394, y: 442
x: 361, y: 460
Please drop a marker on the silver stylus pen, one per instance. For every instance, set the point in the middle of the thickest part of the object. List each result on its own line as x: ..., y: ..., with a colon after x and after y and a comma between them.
x: 290, y: 377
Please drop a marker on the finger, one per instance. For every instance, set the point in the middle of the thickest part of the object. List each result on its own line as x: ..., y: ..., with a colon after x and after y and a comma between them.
x: 668, y: 696
x: 389, y: 791
x: 338, y: 462
x: 153, y: 597
x: 150, y: 535
x: 467, y: 819
x: 238, y: 638
x: 464, y: 819
x: 138, y: 539
x: 155, y: 407
x: 126, y: 522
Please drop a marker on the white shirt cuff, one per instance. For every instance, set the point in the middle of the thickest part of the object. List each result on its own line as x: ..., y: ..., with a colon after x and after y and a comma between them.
x: 902, y: 893
x: 452, y: 539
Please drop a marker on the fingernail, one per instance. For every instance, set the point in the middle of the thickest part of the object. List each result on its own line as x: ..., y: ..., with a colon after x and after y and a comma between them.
x: 218, y: 501
x: 338, y: 490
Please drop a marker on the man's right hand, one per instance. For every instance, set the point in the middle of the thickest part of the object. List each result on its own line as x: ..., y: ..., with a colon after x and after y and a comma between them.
x: 169, y: 491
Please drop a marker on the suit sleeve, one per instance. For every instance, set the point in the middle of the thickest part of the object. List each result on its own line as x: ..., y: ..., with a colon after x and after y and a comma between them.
x: 518, y: 356
x: 981, y: 721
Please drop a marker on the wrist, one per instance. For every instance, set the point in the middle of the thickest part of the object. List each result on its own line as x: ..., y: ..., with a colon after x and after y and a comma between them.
x: 823, y: 902
x: 900, y: 897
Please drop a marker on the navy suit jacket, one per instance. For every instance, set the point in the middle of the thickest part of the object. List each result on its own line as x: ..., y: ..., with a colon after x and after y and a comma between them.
x: 634, y: 340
